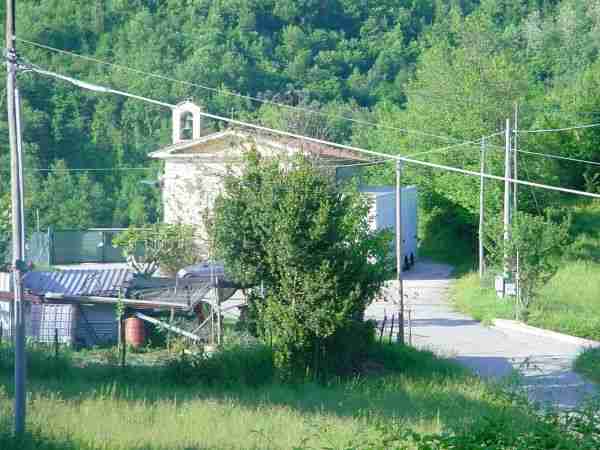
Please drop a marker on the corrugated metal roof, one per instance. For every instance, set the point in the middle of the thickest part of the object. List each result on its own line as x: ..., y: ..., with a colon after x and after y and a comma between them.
x: 78, y: 282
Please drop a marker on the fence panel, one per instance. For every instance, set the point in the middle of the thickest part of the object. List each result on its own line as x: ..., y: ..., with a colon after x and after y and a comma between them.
x: 71, y: 247
x: 111, y: 253
x: 37, y: 249
x: 74, y: 247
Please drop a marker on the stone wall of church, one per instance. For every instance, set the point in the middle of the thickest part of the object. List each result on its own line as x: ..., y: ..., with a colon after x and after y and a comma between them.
x: 190, y: 188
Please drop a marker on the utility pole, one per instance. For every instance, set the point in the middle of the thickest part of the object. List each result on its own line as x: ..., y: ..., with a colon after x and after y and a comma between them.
x: 399, y: 250
x: 515, y: 187
x: 515, y: 155
x: 507, y: 200
x: 17, y: 216
x: 481, y: 209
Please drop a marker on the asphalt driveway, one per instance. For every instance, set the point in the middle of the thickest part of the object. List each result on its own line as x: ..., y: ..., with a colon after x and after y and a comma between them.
x: 544, y: 363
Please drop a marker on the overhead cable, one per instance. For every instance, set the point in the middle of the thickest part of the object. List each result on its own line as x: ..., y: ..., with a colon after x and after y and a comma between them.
x: 351, y: 148
x: 551, y: 130
x: 462, y: 144
x: 565, y: 158
x: 235, y: 94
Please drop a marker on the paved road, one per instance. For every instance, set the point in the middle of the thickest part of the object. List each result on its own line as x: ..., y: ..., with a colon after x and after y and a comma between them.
x: 544, y: 363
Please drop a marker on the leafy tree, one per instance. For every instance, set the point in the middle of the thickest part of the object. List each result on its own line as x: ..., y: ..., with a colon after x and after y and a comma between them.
x: 67, y: 201
x: 165, y: 246
x: 285, y: 225
x: 536, y: 243
x: 452, y: 68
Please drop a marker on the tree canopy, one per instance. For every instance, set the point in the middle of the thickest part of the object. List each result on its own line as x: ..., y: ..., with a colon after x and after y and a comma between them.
x: 451, y: 70
x: 287, y: 227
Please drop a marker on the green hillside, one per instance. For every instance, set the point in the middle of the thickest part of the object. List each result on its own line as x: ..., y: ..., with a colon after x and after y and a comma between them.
x: 445, y: 71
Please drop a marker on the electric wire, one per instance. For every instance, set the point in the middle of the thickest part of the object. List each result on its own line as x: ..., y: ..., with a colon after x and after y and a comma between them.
x: 462, y: 144
x: 565, y: 158
x: 102, y: 89
x: 235, y: 94
x: 351, y: 148
x: 552, y: 130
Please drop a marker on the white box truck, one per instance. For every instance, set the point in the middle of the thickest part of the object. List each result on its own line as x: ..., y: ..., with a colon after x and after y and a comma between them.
x: 382, y: 215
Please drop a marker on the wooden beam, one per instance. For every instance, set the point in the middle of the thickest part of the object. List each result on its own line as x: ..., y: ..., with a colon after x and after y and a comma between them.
x: 169, y: 327
x: 113, y: 300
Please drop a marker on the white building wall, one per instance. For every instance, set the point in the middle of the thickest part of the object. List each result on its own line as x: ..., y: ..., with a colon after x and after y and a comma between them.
x: 190, y: 188
x: 5, y: 319
x: 382, y: 215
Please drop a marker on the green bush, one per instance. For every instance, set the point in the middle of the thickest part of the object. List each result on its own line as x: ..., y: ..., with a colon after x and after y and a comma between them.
x: 234, y: 366
x: 588, y: 363
x: 348, y: 348
x: 41, y: 361
x: 285, y: 225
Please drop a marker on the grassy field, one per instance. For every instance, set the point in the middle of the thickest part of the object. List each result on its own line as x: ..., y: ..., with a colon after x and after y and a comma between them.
x: 102, y: 407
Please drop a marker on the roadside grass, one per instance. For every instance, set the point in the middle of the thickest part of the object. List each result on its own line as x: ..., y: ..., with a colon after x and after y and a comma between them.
x: 101, y: 407
x: 588, y: 363
x: 568, y: 304
x: 480, y: 302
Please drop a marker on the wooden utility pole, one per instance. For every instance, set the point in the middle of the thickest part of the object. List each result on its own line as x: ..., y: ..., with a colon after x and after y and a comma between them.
x: 515, y: 155
x: 481, y: 209
x: 507, y: 200
x: 399, y: 251
x: 18, y: 238
x: 515, y: 186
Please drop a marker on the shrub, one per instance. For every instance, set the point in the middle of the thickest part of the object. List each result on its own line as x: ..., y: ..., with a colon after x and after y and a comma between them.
x: 40, y: 361
x: 237, y: 365
x: 535, y: 244
x: 286, y: 226
x: 168, y: 246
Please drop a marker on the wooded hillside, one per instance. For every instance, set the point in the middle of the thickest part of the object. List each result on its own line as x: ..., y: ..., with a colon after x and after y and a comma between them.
x: 453, y: 69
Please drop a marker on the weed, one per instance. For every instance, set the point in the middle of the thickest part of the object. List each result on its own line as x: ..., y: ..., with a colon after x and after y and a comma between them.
x: 588, y: 363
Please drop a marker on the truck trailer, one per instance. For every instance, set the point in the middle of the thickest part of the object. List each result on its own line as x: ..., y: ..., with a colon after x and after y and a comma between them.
x: 382, y: 215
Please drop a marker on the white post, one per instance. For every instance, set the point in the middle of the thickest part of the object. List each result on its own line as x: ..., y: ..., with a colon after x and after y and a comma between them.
x: 481, y: 208
x: 399, y: 250
x: 507, y: 200
x: 17, y: 217
x: 515, y: 186
x: 515, y: 156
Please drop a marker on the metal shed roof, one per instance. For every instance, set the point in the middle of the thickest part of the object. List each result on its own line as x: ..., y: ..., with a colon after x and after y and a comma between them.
x: 77, y: 282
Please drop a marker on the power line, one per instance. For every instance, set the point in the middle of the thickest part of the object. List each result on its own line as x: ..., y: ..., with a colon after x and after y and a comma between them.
x: 234, y: 94
x: 102, y: 89
x: 104, y: 169
x: 550, y: 130
x: 566, y: 158
x: 374, y: 163
x: 351, y: 148
x: 449, y: 147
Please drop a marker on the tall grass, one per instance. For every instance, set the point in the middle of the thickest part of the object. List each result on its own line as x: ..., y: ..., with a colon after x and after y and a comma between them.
x: 588, y: 363
x: 569, y: 303
x: 141, y: 408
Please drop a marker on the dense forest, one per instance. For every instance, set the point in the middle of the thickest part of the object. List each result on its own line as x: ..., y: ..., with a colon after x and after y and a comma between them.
x: 411, y: 75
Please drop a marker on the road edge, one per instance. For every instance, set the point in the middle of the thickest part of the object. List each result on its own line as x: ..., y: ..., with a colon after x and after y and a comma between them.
x: 513, y: 325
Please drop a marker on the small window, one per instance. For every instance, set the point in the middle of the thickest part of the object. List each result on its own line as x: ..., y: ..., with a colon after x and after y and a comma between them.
x: 187, y: 126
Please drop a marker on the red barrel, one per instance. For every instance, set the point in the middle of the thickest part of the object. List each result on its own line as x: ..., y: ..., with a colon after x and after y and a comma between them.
x: 135, y: 332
